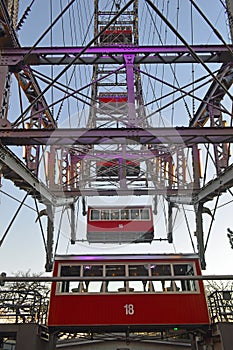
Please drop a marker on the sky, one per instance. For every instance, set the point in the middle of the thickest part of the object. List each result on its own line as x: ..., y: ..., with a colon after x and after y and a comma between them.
x: 23, y: 248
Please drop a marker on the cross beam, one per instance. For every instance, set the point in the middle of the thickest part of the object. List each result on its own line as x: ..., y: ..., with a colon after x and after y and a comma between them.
x: 171, y: 136
x: 115, y: 55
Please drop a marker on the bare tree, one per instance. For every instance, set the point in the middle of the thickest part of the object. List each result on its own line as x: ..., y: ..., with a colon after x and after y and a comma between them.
x: 24, y: 302
x: 213, y: 286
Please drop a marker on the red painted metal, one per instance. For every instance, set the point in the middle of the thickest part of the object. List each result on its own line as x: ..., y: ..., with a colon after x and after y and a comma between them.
x: 114, y: 99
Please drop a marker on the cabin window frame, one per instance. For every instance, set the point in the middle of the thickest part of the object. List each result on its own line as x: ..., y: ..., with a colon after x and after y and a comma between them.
x: 129, y: 287
x: 129, y: 217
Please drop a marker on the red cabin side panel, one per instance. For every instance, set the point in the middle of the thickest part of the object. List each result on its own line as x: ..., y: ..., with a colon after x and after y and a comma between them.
x: 120, y: 226
x: 133, y: 310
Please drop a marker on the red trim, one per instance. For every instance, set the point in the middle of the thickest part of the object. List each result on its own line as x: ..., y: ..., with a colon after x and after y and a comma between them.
x: 113, y: 99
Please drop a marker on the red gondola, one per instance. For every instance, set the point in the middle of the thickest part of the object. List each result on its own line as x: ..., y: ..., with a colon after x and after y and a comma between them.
x: 117, y: 293
x: 120, y: 224
x: 113, y: 167
x: 116, y: 35
x: 113, y: 102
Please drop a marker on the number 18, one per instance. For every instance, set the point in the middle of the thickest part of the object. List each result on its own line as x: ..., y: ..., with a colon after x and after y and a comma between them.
x: 129, y: 309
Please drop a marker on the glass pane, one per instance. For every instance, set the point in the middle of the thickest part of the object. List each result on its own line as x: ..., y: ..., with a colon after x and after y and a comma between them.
x: 138, y: 270
x: 95, y: 271
x: 115, y: 286
x: 115, y: 214
x: 160, y: 270
x: 114, y: 271
x: 105, y: 214
x: 70, y: 270
x: 175, y: 286
x: 74, y: 287
x: 94, y: 286
x: 185, y: 270
x: 136, y: 286
x: 145, y: 215
x: 161, y: 286
x: 181, y: 269
x: 66, y: 271
x: 147, y: 286
x: 64, y: 287
x: 95, y: 214
x: 125, y: 214
x: 135, y: 214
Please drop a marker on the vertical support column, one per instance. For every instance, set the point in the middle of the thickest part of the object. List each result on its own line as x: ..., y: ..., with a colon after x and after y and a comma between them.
x: 96, y: 10
x: 129, y: 60
x: 135, y: 25
x: 200, y: 234
x: 181, y: 167
x: 196, y: 167
x: 198, y: 208
x: 192, y: 341
x: 170, y: 224
x: 122, y: 169
x: 32, y: 155
x: 50, y: 168
x: 50, y: 231
x: 5, y: 78
x: 221, y: 150
x: 72, y: 223
x: 229, y: 5
x: 92, y: 111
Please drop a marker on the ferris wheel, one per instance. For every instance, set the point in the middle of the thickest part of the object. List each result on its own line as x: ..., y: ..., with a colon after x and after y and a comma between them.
x: 117, y: 102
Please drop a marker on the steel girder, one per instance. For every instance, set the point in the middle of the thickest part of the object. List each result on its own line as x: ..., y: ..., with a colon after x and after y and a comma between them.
x: 21, y: 56
x: 165, y: 136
